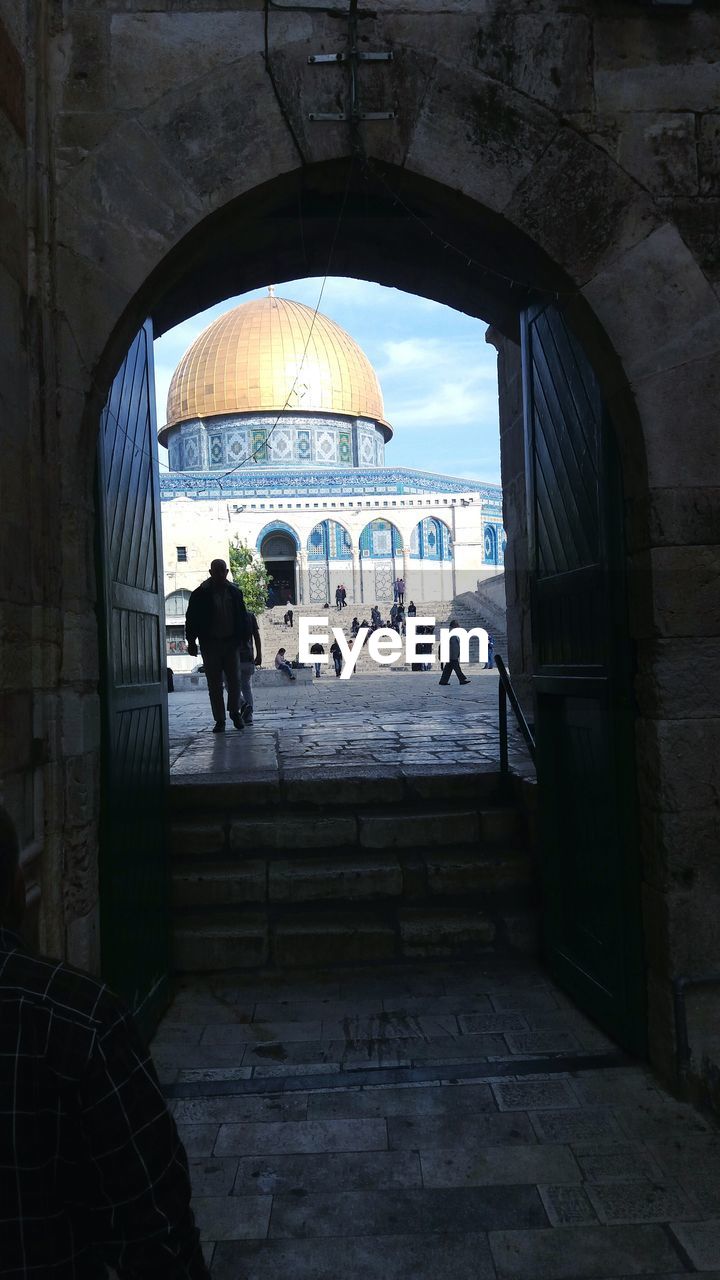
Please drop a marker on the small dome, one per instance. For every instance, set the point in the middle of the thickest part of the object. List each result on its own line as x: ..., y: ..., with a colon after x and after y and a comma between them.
x: 269, y: 355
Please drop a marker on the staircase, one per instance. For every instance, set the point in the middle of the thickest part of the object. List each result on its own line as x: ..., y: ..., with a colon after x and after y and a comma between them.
x: 348, y: 871
x: 275, y: 634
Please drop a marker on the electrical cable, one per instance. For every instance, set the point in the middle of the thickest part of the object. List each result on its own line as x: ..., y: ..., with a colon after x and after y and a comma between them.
x: 273, y: 82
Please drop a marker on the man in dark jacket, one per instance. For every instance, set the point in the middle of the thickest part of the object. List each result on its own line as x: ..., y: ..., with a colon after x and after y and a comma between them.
x: 217, y: 618
x: 92, y: 1171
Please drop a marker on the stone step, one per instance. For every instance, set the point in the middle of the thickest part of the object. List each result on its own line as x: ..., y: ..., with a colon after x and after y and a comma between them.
x: 205, y: 942
x: 208, y: 798
x: 294, y: 939
x: 351, y: 937
x: 425, y: 875
x: 399, y: 829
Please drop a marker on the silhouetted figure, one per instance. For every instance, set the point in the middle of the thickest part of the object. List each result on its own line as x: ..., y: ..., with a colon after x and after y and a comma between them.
x: 454, y: 663
x: 216, y: 616
x: 92, y: 1171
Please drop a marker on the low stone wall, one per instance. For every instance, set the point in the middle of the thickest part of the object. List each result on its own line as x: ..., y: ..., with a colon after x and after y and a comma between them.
x: 261, y: 679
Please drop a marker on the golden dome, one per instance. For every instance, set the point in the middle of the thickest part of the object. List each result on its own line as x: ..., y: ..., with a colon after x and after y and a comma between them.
x: 268, y: 355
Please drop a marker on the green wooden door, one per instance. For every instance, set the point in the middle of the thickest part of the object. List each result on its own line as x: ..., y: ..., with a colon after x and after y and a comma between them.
x: 582, y: 683
x: 133, y: 869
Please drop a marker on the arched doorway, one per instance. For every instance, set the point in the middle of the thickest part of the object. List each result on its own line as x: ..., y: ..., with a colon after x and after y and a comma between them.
x: 384, y: 553
x: 278, y: 549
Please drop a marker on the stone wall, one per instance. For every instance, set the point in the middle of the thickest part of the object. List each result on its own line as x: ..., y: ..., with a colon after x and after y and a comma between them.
x: 28, y: 638
x: 571, y: 147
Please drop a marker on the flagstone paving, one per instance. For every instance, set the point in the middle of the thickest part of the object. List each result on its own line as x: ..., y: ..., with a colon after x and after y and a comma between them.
x: 379, y: 724
x: 411, y: 1123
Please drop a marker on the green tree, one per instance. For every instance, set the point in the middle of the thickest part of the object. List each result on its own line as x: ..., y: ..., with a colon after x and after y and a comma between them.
x: 249, y: 574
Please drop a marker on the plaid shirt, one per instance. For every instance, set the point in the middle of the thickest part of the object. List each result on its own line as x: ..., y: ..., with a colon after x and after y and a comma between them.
x: 92, y: 1171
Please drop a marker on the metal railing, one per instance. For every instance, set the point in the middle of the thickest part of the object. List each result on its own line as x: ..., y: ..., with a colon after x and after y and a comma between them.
x: 506, y: 694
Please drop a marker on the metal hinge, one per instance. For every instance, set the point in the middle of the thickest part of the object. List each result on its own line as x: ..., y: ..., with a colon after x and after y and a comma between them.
x: 353, y: 58
x: 342, y: 115
x: 345, y: 57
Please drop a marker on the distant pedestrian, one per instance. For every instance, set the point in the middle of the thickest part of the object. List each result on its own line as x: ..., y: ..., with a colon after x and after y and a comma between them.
x: 395, y: 589
x: 336, y: 653
x: 411, y: 610
x: 317, y: 648
x: 288, y: 619
x: 354, y: 627
x: 338, y: 598
x: 393, y: 613
x: 343, y: 596
x: 491, y: 653
x: 281, y: 664
x: 401, y: 590
x: 454, y: 663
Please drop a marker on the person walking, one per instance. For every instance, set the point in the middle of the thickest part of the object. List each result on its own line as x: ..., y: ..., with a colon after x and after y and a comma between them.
x: 336, y: 654
x: 217, y: 618
x: 338, y: 597
x: 92, y: 1171
x: 491, y: 653
x: 343, y: 595
x: 401, y: 590
x: 281, y: 664
x: 454, y: 663
x: 250, y: 655
x: 317, y: 648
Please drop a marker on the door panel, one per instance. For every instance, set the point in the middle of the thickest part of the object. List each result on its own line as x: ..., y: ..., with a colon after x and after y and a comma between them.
x: 133, y: 870
x: 582, y: 683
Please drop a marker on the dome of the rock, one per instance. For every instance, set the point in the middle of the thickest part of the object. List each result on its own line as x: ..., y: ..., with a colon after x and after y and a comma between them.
x: 274, y: 355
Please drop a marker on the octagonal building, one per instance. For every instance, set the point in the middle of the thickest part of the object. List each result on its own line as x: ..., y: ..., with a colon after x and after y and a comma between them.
x: 276, y: 433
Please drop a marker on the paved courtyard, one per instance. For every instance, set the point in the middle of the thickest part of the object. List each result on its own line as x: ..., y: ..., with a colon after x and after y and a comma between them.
x: 379, y: 723
x: 433, y: 1122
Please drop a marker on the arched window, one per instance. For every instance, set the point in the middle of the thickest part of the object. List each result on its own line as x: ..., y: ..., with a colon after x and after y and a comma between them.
x: 380, y: 540
x: 431, y: 540
x: 329, y: 541
x: 176, y: 604
x: 490, y: 544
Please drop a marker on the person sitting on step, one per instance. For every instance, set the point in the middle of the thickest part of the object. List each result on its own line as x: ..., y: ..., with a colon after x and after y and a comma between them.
x: 283, y: 665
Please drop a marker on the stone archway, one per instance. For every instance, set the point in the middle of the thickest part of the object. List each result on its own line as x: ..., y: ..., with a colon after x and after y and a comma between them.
x: 489, y: 149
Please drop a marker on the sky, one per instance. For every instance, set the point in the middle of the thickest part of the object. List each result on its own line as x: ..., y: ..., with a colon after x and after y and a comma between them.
x: 438, y: 375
